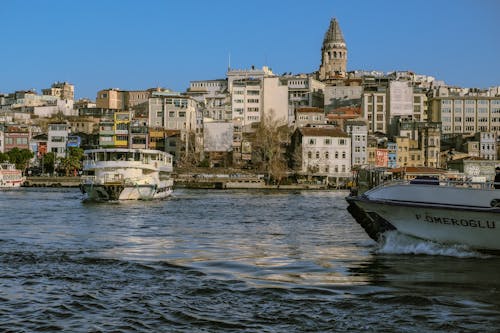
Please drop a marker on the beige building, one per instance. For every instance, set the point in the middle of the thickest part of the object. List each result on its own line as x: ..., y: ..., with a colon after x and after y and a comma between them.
x: 275, y: 99
x: 309, y: 116
x: 466, y: 114
x: 380, y: 106
x: 87, y: 125
x: 61, y: 90
x: 374, y: 111
x: 110, y: 99
x: 121, y: 99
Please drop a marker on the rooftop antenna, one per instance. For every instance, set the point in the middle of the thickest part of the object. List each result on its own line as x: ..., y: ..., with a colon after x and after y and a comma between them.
x: 229, y: 62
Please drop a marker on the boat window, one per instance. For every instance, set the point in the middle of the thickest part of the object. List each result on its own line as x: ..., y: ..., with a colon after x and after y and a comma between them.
x: 120, y: 156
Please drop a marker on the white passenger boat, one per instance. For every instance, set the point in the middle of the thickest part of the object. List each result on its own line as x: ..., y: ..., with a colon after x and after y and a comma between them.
x: 10, y: 177
x: 444, y: 212
x: 126, y: 174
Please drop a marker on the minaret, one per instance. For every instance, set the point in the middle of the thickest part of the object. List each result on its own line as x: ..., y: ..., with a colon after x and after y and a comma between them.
x: 333, y: 54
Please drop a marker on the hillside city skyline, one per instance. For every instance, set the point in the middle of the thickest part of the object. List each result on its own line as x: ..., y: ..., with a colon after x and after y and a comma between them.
x: 198, y: 56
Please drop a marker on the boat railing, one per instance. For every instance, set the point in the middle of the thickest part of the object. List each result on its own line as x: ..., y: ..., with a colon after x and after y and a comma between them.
x: 85, y: 179
x: 447, y: 182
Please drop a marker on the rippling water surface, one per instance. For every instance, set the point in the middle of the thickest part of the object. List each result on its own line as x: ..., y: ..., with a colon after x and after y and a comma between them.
x: 228, y: 261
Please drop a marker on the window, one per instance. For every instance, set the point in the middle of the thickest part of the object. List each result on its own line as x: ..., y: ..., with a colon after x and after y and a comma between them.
x: 312, y: 141
x: 317, y: 154
x: 309, y: 154
x: 326, y: 155
x: 328, y: 141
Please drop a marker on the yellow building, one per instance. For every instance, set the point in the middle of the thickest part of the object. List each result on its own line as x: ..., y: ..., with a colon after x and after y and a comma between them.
x: 122, y: 129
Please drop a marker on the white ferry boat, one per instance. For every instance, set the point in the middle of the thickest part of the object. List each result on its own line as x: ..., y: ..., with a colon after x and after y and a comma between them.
x: 126, y: 174
x: 10, y: 177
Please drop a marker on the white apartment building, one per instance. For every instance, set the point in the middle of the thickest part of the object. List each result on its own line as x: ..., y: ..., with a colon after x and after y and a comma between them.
x: 358, y: 131
x: 325, y: 152
x: 57, y: 138
x: 246, y: 97
x: 64, y: 106
x: 487, y: 145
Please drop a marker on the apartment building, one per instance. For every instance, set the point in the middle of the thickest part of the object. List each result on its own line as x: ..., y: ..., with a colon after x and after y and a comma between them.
x: 303, y: 91
x: 117, y: 99
x: 57, y: 138
x: 16, y: 136
x: 213, y: 97
x: 323, y: 153
x: 466, y: 114
x: 358, y: 132
x: 488, y: 145
x: 309, y: 116
x: 121, y: 129
x: 175, y: 112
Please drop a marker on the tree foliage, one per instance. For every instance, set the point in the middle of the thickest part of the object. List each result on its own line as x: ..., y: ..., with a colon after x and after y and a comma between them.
x: 72, y: 161
x: 48, y: 162
x: 20, y: 157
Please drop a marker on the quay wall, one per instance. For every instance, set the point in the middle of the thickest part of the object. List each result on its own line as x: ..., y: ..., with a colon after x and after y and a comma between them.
x: 183, y: 181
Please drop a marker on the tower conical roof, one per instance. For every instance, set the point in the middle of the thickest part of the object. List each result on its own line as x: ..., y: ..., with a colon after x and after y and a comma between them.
x: 334, y: 34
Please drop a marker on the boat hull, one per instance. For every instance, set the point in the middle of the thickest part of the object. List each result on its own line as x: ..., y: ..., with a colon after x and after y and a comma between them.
x: 113, y: 192
x: 12, y: 184
x: 477, y: 228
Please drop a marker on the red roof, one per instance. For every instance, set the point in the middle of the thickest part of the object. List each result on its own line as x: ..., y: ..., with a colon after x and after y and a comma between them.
x: 310, y: 109
x: 420, y: 170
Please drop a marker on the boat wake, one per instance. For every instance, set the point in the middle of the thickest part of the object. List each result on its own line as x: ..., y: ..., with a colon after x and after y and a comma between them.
x: 394, y: 242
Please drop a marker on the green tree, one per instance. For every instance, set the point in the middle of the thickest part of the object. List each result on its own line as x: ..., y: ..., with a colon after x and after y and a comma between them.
x: 20, y: 157
x: 48, y: 162
x: 4, y: 157
x: 73, y: 160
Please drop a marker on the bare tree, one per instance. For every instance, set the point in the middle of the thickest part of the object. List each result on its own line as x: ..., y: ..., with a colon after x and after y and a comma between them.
x: 270, y: 137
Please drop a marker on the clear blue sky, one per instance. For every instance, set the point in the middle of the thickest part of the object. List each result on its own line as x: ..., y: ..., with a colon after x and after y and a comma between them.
x: 98, y: 44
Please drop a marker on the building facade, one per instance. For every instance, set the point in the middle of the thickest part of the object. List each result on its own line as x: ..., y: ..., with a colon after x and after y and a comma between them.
x: 57, y: 138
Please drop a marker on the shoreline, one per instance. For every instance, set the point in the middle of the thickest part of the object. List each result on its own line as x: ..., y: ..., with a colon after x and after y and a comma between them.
x: 182, y: 182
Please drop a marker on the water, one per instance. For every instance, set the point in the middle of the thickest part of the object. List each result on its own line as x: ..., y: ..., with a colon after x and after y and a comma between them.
x: 228, y: 261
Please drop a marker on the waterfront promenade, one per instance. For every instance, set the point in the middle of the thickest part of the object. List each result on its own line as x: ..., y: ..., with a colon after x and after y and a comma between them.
x: 190, y: 180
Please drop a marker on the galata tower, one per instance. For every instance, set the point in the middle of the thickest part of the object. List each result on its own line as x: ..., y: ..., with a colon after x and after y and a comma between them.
x: 333, y: 54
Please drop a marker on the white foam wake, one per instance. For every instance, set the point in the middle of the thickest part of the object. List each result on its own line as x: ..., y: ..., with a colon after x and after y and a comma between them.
x: 396, y: 243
